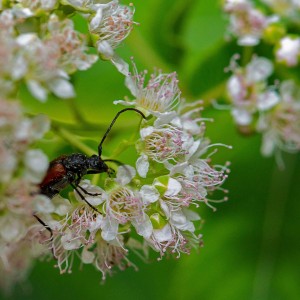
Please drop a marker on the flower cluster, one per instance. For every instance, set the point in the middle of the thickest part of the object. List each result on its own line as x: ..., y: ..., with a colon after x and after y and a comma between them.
x: 44, y: 53
x: 286, y: 8
x: 281, y: 126
x: 270, y: 110
x: 21, y: 168
x: 255, y: 106
x: 248, y: 89
x: 149, y: 204
x: 251, y: 24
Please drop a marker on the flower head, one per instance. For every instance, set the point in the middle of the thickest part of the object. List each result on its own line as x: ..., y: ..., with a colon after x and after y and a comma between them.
x: 281, y: 126
x: 160, y: 94
x: 288, y: 51
x: 110, y: 25
x: 246, y: 22
x: 248, y: 90
x: 21, y: 168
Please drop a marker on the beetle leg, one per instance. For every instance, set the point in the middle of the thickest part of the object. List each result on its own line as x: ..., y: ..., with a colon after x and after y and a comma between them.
x: 48, y: 228
x: 76, y: 183
x: 88, y: 193
x: 82, y: 198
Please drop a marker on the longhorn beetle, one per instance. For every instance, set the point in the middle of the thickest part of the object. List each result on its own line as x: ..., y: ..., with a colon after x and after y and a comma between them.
x: 69, y: 169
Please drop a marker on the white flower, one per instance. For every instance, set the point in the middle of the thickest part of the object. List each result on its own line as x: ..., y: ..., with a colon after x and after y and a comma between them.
x: 281, y: 126
x: 43, y: 204
x: 165, y: 144
x: 160, y: 95
x: 241, y: 116
x: 246, y: 22
x: 288, y: 51
x: 70, y: 241
x: 37, y: 5
x: 112, y: 23
x: 248, y: 90
x: 36, y: 163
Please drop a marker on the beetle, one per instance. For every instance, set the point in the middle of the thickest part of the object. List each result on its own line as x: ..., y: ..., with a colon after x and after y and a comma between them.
x: 69, y: 169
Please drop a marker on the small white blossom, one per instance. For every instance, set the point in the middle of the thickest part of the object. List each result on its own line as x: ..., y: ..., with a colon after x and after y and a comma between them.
x: 248, y: 91
x: 246, y: 22
x: 288, y: 51
x: 21, y: 168
x: 281, y: 126
x: 160, y: 95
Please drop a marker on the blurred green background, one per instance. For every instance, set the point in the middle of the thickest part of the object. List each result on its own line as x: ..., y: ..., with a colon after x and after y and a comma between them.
x: 251, y: 244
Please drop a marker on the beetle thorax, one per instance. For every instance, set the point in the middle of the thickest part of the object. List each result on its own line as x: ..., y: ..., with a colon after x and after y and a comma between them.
x: 77, y: 163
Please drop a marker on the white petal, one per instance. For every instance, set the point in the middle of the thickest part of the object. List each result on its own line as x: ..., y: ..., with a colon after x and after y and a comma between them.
x: 40, y: 124
x: 105, y: 50
x: 260, y: 68
x: 179, y: 168
x: 236, y: 88
x: 87, y: 257
x: 95, y: 22
x: 131, y: 85
x: 69, y: 242
x: 96, y: 224
x: 248, y: 40
x: 242, y: 117
x: 174, y: 187
x: 54, y: 225
x: 125, y: 103
x: 125, y: 174
x: 193, y: 148
x: 12, y: 229
x: 191, y: 215
x: 142, y: 165
x: 120, y: 64
x: 62, y: 205
x: 43, y: 204
x: 163, y: 118
x: 268, y: 145
x: 26, y: 39
x: 146, y: 131
x: 19, y: 68
x: 37, y: 90
x: 62, y: 88
x: 165, y: 208
x: 36, y: 163
x: 179, y: 220
x: 110, y: 228
x: 267, y: 100
x: 149, y: 194
x: 143, y: 227
x: 164, y: 234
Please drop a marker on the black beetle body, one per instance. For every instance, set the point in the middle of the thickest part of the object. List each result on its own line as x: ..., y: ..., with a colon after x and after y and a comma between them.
x: 69, y: 169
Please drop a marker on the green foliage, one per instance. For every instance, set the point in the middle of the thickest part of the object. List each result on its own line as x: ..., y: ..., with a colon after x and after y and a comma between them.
x: 251, y: 244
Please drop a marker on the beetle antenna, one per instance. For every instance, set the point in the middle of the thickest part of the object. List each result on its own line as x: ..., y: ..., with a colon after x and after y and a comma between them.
x: 112, y: 123
x: 117, y: 162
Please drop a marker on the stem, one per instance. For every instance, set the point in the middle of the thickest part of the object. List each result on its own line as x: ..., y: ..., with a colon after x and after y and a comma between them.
x: 74, y: 141
x: 274, y: 215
